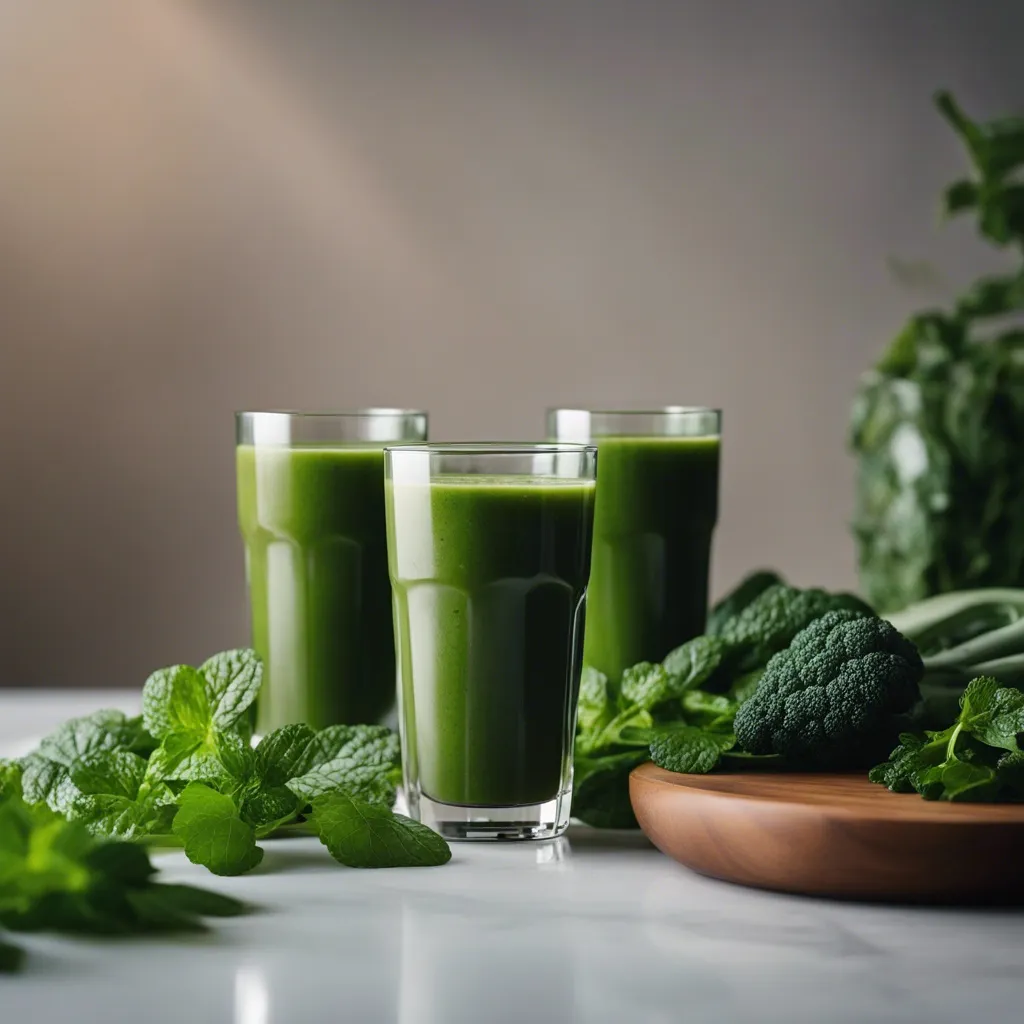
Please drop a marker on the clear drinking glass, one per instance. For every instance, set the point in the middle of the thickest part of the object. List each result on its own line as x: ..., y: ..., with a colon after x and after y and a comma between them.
x: 311, y: 511
x: 656, y: 512
x: 489, y: 552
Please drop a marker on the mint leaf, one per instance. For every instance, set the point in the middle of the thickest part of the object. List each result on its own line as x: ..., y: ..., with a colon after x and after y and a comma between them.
x: 368, y: 783
x: 1003, y: 721
x: 214, y: 835
x: 977, y: 699
x: 689, y: 749
x: 54, y: 875
x: 10, y: 778
x: 233, y: 680
x: 114, y: 772
x: 362, y: 835
x: 693, y: 663
x: 47, y: 782
x: 116, y: 797
x: 287, y: 752
x: 102, y: 730
x: 174, y: 701
x: 193, y: 710
x: 594, y: 708
x: 644, y: 685
x: 628, y: 728
x: 359, y: 759
x: 46, y: 771
x: 714, y: 711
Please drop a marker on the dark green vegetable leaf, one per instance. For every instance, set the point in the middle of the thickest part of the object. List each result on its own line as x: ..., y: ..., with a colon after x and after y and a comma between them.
x: 114, y: 772
x: 714, y: 711
x: 214, y: 835
x: 363, y: 835
x: 750, y: 587
x: 10, y: 778
x: 595, y: 704
x: 600, y: 795
x: 694, y: 663
x: 46, y: 771
x: 174, y: 701
x: 233, y: 680
x: 55, y: 876
x: 689, y: 749
x: 938, y: 426
x: 975, y: 758
x: 357, y: 759
x: 644, y: 685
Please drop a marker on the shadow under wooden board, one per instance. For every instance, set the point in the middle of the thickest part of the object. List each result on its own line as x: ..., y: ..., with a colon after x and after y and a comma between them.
x: 832, y: 835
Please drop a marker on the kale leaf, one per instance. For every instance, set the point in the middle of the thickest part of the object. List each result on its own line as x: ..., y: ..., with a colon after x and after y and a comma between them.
x: 938, y: 425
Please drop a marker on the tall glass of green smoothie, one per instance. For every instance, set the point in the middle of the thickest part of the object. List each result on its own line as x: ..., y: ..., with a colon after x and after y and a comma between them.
x: 489, y: 552
x: 311, y: 511
x: 656, y: 511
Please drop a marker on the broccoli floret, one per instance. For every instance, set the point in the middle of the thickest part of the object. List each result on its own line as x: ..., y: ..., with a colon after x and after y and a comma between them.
x: 831, y: 700
x: 770, y: 622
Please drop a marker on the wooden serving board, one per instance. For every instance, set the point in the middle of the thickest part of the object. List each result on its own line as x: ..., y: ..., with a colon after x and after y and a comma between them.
x: 832, y: 835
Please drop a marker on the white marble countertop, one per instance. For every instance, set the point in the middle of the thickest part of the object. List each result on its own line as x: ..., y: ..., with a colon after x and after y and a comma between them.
x: 592, y: 928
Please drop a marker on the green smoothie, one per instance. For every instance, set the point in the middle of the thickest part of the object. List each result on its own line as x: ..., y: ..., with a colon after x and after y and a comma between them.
x: 316, y: 559
x: 656, y: 510
x: 489, y: 576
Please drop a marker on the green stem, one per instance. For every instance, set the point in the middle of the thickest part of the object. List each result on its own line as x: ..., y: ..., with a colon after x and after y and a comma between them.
x: 951, y: 745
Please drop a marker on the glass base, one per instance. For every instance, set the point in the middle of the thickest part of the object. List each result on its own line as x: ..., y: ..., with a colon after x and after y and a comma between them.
x: 492, y: 824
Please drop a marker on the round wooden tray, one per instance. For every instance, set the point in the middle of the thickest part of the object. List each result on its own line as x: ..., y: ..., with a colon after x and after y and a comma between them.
x: 832, y: 835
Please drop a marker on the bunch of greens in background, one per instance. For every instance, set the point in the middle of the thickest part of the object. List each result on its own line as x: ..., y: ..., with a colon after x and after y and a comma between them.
x: 56, y: 876
x: 977, y: 758
x: 938, y: 425
x: 683, y: 712
x: 961, y: 636
x: 185, y: 773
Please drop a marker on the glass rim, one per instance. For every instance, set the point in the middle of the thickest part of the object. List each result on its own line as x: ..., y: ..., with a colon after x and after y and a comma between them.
x: 492, y: 447
x: 664, y: 410
x: 369, y: 411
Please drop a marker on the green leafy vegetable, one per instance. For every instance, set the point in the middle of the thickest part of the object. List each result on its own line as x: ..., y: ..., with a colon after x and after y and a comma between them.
x: 681, y: 711
x: 209, y: 825
x: 600, y: 794
x: 750, y: 587
x: 188, y: 709
x: 55, y: 876
x: 938, y: 425
x: 364, y: 835
x: 769, y: 623
x: 186, y: 772
x: 359, y: 759
x: 46, y: 772
x: 690, y: 749
x: 977, y: 758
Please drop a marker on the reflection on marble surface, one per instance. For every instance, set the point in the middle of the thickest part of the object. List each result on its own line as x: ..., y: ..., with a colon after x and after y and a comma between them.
x: 252, y: 999
x: 595, y: 927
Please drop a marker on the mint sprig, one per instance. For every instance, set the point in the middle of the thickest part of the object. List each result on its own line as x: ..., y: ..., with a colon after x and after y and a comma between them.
x: 977, y: 758
x: 56, y: 876
x: 186, y: 773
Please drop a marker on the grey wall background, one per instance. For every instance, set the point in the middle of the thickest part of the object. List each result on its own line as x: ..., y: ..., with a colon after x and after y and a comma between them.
x: 478, y: 207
